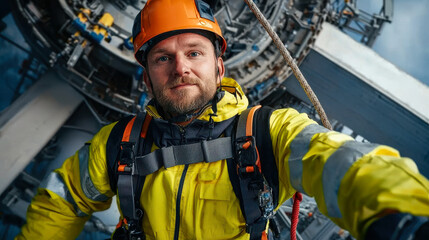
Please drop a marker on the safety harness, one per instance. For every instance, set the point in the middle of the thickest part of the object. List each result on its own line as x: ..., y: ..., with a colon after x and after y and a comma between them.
x: 255, y: 192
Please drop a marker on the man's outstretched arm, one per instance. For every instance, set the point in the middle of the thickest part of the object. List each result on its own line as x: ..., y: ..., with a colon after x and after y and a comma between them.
x: 69, y: 195
x: 354, y: 183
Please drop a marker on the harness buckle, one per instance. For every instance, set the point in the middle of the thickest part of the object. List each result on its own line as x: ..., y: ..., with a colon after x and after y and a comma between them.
x: 126, y: 157
x: 246, y: 156
x: 129, y: 230
x: 134, y: 230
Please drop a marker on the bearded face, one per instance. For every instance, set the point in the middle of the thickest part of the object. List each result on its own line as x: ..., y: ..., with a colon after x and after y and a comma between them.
x: 186, y: 94
x: 183, y: 73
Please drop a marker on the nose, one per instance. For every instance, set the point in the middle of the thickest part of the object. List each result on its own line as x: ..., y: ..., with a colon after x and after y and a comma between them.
x: 181, y: 66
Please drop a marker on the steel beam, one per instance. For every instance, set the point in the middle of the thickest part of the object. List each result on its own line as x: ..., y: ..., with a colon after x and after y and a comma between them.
x: 31, y: 121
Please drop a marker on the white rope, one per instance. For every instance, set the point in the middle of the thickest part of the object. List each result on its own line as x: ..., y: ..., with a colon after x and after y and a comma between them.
x: 290, y: 61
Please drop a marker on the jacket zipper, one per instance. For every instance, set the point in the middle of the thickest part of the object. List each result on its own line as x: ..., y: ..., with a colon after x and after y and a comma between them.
x: 179, y: 191
x: 179, y: 197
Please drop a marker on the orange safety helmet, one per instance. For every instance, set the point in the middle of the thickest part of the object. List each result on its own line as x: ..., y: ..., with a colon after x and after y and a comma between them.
x: 160, y: 19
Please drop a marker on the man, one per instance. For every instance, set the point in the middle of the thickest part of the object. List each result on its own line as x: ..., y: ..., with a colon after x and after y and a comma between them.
x: 367, y: 189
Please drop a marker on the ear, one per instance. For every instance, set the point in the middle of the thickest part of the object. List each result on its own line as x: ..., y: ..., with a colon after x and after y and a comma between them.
x: 221, y: 70
x: 147, y: 81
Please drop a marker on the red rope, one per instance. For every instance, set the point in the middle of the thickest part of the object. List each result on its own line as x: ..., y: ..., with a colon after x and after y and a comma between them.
x: 297, y: 198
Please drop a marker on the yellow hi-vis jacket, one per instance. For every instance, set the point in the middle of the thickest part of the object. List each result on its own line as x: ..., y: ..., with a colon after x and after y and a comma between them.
x: 353, y: 183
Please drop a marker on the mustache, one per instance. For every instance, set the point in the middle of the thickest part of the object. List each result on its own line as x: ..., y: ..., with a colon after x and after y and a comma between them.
x: 183, y: 80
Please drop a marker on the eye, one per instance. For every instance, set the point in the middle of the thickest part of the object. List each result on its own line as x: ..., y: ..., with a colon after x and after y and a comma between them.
x: 194, y: 54
x: 163, y: 59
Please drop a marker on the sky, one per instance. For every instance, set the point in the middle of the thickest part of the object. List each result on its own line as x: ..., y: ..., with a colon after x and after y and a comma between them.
x: 405, y: 42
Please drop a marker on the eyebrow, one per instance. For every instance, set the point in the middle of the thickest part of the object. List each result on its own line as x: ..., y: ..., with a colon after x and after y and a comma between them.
x: 157, y: 51
x: 194, y: 44
x: 164, y: 50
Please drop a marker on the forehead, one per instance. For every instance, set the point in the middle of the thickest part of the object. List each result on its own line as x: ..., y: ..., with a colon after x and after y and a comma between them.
x: 182, y: 40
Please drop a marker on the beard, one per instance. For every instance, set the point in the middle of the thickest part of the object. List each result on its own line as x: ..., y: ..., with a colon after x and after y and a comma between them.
x: 184, y: 101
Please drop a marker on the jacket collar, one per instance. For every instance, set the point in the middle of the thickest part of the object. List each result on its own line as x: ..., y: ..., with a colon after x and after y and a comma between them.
x: 232, y: 102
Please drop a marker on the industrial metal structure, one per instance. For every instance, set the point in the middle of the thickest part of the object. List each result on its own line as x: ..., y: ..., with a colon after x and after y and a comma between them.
x: 89, y: 78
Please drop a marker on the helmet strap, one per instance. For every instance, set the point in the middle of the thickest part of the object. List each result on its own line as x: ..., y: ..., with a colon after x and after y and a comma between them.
x: 216, y: 44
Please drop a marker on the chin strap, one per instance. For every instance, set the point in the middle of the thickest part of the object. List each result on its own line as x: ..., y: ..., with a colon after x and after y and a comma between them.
x: 216, y: 98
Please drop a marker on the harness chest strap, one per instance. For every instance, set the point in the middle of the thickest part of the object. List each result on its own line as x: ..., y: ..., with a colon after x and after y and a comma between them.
x: 204, y: 151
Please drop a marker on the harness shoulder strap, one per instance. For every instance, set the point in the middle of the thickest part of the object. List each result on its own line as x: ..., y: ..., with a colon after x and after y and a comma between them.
x: 261, y: 130
x: 254, y: 191
x: 112, y: 150
x: 129, y: 185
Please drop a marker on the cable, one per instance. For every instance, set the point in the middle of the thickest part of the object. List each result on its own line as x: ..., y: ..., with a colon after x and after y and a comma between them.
x: 290, y: 61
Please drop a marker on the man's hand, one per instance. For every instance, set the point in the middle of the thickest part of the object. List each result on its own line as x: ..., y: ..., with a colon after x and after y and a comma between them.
x: 399, y: 226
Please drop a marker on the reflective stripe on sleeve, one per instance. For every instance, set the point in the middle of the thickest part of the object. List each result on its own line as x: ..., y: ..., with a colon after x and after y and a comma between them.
x: 298, y: 148
x: 85, y: 179
x: 336, y: 167
x: 54, y: 182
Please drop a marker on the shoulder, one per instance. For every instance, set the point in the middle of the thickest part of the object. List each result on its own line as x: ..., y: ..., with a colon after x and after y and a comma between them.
x: 289, y: 120
x: 104, y: 146
x: 114, y: 131
x: 110, y: 134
